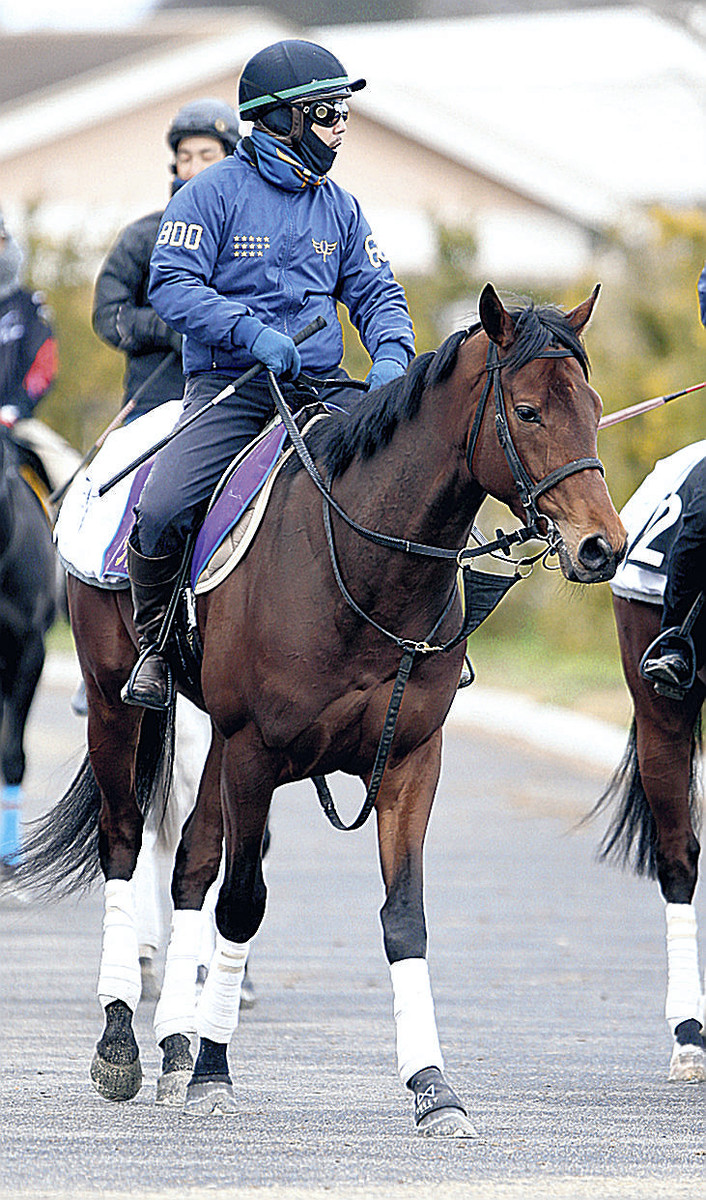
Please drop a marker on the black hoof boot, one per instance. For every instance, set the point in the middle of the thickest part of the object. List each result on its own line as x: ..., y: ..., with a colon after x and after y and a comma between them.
x: 438, y: 1112
x: 210, y: 1090
x: 115, y: 1071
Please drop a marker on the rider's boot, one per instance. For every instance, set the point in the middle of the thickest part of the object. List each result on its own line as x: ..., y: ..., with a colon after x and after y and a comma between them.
x: 670, y: 666
x: 152, y: 581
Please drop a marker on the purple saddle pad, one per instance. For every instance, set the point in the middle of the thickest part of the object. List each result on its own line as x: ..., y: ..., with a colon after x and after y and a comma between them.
x: 115, y: 557
x: 239, y: 490
x: 242, y: 486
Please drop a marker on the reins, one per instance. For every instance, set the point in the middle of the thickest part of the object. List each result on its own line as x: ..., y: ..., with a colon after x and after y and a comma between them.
x: 528, y: 491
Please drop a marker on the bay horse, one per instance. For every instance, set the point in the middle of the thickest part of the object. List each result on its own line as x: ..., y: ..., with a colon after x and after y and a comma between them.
x: 28, y: 599
x: 656, y: 798
x: 301, y: 663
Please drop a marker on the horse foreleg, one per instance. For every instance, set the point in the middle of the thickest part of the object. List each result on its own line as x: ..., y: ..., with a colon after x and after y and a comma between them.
x: 664, y: 746
x: 659, y: 792
x: 247, y: 783
x: 403, y: 808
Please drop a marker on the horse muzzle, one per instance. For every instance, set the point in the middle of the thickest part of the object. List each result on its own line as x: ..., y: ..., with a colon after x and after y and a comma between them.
x: 595, y: 560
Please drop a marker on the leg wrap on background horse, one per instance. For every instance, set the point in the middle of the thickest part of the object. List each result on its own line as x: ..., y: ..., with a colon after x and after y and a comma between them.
x: 10, y: 835
x: 176, y: 1008
x: 217, y: 1010
x: 119, y: 977
x: 417, y: 1038
x: 684, y: 998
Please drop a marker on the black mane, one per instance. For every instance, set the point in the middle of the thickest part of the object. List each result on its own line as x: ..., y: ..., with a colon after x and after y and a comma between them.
x: 369, y: 423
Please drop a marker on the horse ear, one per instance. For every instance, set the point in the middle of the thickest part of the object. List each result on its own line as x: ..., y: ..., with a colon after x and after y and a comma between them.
x: 496, y: 320
x: 581, y: 315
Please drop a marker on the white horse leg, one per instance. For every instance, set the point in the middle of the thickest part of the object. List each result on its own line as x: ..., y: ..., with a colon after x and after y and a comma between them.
x: 153, y: 874
x: 685, y: 1001
x: 420, y: 1063
x: 151, y: 888
x: 115, y: 1070
x: 175, y: 1014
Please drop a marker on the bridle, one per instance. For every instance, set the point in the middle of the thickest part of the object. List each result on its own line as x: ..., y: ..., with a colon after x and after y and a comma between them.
x: 528, y: 492
x: 527, y: 489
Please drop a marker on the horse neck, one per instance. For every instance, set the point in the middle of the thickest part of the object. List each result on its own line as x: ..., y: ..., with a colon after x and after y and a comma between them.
x: 417, y: 488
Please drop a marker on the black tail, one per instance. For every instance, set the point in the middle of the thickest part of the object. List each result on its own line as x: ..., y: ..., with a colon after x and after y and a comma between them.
x: 60, y: 853
x: 631, y: 838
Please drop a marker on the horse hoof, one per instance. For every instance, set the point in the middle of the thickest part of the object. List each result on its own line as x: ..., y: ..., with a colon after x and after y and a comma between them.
x: 116, y: 1081
x: 171, y: 1088
x: 446, y: 1122
x: 688, y: 1065
x: 211, y: 1098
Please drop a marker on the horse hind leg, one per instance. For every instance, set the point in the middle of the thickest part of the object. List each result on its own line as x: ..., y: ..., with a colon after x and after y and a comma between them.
x: 116, y: 1073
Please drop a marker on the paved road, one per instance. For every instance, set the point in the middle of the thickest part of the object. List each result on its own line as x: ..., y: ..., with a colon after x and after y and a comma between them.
x: 548, y: 974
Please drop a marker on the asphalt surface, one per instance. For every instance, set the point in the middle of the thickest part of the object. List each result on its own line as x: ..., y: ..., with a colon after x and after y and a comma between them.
x: 548, y: 972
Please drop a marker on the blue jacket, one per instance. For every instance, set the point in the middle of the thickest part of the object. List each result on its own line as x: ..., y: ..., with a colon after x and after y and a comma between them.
x: 231, y: 244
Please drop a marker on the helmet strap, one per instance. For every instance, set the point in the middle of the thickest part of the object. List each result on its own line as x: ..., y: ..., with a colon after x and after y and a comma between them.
x: 296, y: 131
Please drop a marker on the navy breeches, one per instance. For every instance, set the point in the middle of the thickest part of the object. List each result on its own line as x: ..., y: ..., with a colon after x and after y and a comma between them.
x: 686, y: 568
x: 186, y: 472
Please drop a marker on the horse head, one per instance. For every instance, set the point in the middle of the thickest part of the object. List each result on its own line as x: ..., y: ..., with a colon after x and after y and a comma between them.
x: 532, y: 443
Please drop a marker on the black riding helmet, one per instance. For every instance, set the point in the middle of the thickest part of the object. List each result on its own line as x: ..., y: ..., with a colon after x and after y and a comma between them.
x: 205, y: 118
x: 276, y: 87
x: 291, y: 71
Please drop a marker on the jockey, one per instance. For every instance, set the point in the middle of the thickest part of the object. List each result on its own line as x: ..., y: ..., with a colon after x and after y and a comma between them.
x: 28, y: 367
x: 666, y: 563
x: 248, y: 253
x: 671, y: 664
x: 202, y: 132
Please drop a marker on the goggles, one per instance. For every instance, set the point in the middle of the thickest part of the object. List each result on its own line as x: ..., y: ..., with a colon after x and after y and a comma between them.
x: 325, y: 112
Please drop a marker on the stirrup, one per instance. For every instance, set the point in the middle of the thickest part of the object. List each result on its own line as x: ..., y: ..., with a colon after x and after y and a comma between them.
x: 467, y: 674
x: 682, y: 644
x: 129, y: 693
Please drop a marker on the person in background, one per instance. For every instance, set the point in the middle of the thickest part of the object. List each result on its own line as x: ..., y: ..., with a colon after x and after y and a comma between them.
x: 201, y: 133
x: 29, y: 363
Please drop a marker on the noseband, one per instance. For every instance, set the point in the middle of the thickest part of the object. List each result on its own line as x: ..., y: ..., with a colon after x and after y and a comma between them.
x: 527, y: 489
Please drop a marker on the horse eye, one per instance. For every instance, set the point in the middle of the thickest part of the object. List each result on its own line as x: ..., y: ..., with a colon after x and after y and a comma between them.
x: 527, y: 414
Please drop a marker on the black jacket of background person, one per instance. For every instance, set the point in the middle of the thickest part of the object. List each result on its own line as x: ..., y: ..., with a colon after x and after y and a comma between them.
x: 27, y: 351
x: 123, y: 317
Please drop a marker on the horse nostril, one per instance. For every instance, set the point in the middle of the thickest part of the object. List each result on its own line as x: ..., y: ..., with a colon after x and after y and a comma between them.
x: 594, y: 553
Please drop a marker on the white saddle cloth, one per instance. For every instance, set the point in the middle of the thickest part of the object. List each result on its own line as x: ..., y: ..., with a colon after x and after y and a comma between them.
x: 88, y: 522
x: 648, y: 514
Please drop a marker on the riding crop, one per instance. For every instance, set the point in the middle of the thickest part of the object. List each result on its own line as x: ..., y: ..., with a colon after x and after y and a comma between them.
x: 635, y: 410
x: 58, y: 495
x: 313, y: 327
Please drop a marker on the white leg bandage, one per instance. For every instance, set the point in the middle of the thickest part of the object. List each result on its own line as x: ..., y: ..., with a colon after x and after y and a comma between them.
x: 417, y: 1039
x: 176, y: 1007
x: 683, y: 983
x: 119, y: 976
x: 217, y: 1009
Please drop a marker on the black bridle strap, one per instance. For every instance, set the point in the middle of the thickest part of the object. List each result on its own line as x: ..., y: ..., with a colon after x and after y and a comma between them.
x: 388, y: 732
x: 516, y: 537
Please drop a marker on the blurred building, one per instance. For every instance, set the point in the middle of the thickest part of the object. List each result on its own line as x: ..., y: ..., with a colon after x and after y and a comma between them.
x: 539, y: 133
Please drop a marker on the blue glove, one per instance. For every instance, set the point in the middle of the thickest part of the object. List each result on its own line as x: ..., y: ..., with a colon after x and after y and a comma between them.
x: 277, y: 352
x: 383, y: 371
